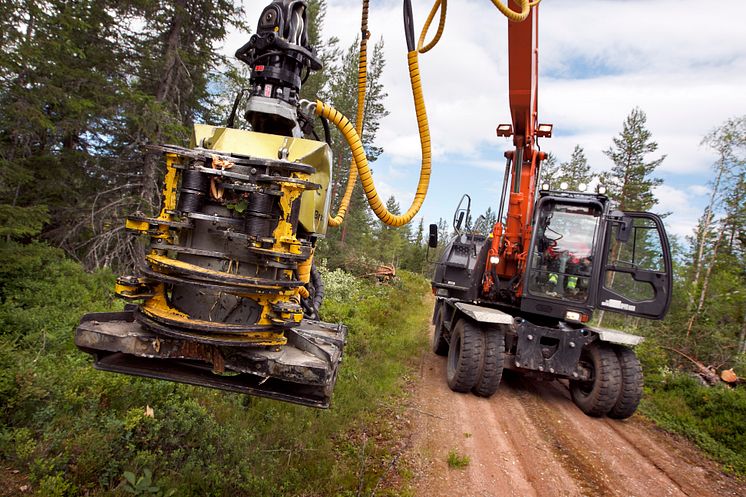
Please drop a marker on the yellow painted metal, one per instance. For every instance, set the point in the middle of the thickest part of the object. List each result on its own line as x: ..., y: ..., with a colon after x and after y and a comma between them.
x: 135, y: 289
x: 314, y: 204
x: 157, y: 307
x: 163, y: 262
x: 276, y: 302
x: 170, y: 184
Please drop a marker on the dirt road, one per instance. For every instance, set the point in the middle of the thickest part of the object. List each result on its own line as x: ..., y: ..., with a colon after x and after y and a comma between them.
x: 529, y: 439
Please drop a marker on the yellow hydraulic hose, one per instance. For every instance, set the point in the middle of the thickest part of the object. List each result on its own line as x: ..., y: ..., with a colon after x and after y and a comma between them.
x: 438, y: 5
x: 361, y: 161
x: 362, y: 83
x: 442, y: 4
x: 352, y: 134
x: 512, y: 14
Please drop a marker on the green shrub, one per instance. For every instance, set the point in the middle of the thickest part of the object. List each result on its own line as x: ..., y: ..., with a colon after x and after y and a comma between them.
x: 75, y: 430
x: 712, y: 417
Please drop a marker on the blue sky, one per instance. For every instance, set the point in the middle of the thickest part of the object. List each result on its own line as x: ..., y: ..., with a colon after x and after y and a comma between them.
x: 681, y: 61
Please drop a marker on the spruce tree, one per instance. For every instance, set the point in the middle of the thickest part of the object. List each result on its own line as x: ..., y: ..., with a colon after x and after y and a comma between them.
x: 354, y: 237
x: 631, y: 182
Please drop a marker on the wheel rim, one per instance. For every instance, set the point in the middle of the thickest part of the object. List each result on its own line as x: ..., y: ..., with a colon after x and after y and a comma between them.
x: 585, y: 388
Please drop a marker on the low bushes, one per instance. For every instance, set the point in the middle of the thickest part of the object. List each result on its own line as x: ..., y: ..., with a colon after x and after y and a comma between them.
x: 74, y: 430
x: 712, y: 417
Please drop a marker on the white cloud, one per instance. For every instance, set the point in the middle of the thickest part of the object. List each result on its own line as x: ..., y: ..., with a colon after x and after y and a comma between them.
x: 684, y: 212
x: 699, y: 190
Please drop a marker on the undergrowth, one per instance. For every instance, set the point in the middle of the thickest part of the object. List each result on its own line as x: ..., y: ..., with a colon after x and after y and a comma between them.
x: 74, y: 430
x: 712, y: 417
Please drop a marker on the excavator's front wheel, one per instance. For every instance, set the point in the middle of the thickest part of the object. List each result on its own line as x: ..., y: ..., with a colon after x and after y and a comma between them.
x: 440, y: 346
x: 598, y: 395
x: 464, y: 356
x: 631, y: 388
x: 493, y: 359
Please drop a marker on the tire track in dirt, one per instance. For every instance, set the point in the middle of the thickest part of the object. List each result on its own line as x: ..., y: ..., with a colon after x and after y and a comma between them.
x: 529, y: 439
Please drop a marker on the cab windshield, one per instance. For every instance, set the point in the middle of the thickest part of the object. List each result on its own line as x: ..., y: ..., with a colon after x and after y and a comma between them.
x: 562, y: 256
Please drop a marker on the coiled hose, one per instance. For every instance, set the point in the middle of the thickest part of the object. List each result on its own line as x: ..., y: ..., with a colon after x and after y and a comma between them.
x: 362, y: 83
x: 361, y: 161
x: 352, y: 134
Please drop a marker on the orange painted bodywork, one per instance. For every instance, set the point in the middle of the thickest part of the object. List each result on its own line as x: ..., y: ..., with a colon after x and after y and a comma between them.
x: 509, y: 242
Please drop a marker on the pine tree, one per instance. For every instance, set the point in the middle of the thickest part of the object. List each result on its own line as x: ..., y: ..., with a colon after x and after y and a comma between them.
x: 486, y: 221
x: 392, y: 242
x: 576, y: 170
x: 630, y: 181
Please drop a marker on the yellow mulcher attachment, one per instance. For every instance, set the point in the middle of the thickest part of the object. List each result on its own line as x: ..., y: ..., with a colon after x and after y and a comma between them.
x: 228, y: 295
x: 228, y: 269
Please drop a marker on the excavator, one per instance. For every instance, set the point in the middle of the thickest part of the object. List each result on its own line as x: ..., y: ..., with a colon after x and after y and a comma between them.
x: 228, y: 295
x: 521, y: 297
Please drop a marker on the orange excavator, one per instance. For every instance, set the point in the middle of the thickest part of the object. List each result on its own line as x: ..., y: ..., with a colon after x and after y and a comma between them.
x: 228, y: 294
x: 521, y: 297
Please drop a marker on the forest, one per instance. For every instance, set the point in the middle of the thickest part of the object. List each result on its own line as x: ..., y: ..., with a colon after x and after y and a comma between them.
x: 86, y: 86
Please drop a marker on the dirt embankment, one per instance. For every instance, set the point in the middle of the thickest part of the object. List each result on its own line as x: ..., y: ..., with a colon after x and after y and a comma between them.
x: 529, y: 439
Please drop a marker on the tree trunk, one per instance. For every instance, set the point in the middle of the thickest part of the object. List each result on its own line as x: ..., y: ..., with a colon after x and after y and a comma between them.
x: 705, y: 284
x: 703, y: 232
x: 165, y: 92
x: 742, y: 335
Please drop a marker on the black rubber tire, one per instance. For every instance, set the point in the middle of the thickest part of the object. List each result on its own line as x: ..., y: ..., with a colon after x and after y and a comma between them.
x: 464, y: 356
x: 597, y: 397
x: 439, y: 344
x: 631, y: 390
x: 493, y: 360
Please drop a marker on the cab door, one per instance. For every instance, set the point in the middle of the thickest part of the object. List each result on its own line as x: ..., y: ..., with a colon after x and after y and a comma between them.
x: 636, y: 272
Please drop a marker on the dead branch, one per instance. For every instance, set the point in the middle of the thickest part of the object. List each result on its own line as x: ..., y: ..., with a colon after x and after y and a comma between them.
x: 708, y: 373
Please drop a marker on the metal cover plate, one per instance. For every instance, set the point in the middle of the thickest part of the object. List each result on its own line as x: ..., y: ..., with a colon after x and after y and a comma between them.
x: 484, y: 314
x: 616, y: 336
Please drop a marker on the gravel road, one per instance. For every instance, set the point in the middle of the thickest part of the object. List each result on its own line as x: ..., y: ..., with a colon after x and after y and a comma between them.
x: 529, y: 439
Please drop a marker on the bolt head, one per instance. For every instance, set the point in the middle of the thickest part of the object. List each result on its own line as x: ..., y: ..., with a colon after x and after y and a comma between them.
x: 572, y: 345
x: 530, y: 337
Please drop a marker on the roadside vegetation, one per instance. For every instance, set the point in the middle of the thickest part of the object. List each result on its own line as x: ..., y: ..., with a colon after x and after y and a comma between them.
x: 713, y: 417
x: 73, y: 430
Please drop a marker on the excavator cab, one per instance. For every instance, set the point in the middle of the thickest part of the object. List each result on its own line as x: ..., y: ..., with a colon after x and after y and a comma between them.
x: 584, y: 256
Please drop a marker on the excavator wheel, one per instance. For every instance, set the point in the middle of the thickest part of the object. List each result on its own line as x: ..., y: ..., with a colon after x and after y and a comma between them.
x: 464, y: 356
x: 493, y: 359
x: 598, y: 395
x: 631, y: 390
x: 439, y: 344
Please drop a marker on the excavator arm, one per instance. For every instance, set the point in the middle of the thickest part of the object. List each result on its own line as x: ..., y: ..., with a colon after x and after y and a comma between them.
x: 508, y: 244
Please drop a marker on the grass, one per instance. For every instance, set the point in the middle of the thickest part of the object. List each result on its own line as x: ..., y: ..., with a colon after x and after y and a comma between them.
x: 712, y: 417
x: 457, y: 461
x: 73, y: 430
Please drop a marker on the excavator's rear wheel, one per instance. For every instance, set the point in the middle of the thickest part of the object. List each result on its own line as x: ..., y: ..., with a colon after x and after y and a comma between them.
x: 439, y: 345
x: 598, y: 396
x: 493, y: 359
x: 631, y: 389
x: 464, y: 356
